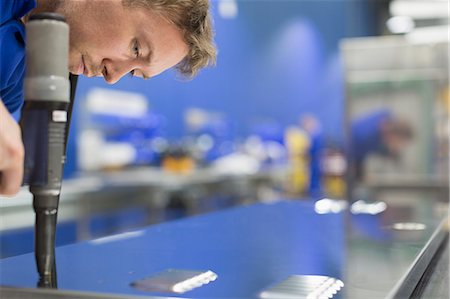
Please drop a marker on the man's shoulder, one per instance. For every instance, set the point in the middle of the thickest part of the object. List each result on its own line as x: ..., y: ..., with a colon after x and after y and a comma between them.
x: 12, y: 56
x: 15, y: 9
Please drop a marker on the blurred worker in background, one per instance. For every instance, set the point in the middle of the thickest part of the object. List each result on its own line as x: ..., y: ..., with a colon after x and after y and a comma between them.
x: 377, y: 133
x: 313, y: 128
x: 109, y: 39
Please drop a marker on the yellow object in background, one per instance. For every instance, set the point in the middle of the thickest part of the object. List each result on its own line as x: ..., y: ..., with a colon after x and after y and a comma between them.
x: 334, y: 168
x: 178, y: 164
x: 296, y: 140
x: 335, y: 186
x: 297, y: 144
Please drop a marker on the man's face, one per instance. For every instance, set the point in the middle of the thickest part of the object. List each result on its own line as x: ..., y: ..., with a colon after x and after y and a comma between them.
x: 395, y: 144
x: 110, y: 40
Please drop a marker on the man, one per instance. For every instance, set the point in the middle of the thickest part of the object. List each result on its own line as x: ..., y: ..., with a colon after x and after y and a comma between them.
x: 378, y: 133
x: 108, y: 38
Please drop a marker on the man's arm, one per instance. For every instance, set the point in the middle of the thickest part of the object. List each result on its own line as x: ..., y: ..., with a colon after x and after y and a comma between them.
x: 11, y: 154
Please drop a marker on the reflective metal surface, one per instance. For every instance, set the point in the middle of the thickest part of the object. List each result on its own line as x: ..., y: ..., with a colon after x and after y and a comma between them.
x: 251, y: 249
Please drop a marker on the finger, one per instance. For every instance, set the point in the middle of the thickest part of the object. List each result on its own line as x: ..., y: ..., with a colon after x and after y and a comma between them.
x: 4, y: 163
x: 11, y: 179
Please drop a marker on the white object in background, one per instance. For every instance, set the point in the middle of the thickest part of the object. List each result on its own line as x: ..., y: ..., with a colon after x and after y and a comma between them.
x: 362, y: 207
x: 89, y: 149
x: 429, y: 35
x: 400, y: 24
x: 236, y: 164
x: 228, y: 9
x: 420, y: 9
x: 195, y: 118
x: 275, y: 151
x: 118, y: 103
x: 255, y: 148
x: 117, y: 154
x: 95, y: 153
x: 205, y: 142
x: 330, y: 206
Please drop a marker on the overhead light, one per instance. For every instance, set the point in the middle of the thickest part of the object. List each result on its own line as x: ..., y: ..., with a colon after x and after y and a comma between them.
x: 427, y: 35
x: 228, y: 9
x: 420, y: 9
x: 400, y: 24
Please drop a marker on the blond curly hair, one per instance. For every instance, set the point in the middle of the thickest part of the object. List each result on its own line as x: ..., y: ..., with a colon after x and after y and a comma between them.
x: 192, y: 17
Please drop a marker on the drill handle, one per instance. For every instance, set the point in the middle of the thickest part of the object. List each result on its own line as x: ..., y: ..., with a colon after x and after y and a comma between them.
x: 43, y: 127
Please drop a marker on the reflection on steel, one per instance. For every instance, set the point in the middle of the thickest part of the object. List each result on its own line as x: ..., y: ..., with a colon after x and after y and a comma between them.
x: 175, y: 281
x: 304, y: 287
x: 408, y: 226
x: 117, y: 237
x: 326, y: 206
x: 362, y: 207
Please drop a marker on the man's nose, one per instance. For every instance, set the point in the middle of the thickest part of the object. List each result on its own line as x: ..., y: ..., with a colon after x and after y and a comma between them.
x: 115, y: 70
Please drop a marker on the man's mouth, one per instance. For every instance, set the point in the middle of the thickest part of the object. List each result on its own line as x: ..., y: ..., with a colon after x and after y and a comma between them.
x: 80, y: 68
x: 85, y: 69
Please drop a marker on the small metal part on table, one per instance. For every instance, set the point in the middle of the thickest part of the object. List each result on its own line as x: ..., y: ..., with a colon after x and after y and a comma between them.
x: 175, y: 281
x: 304, y: 287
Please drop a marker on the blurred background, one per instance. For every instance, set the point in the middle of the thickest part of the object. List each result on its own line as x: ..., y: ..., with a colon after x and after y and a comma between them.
x: 309, y: 100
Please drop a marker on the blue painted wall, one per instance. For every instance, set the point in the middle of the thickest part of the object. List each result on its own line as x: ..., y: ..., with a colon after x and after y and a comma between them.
x: 277, y: 60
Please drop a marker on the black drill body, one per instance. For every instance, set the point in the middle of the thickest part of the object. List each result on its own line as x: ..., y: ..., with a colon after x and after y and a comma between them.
x: 44, y: 123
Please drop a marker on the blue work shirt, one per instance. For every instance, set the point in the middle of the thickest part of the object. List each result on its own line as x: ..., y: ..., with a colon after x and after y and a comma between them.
x: 315, y: 172
x: 12, y: 54
x: 367, y: 136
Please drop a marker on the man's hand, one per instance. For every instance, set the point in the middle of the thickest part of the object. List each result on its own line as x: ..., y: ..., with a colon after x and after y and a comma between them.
x: 11, y: 154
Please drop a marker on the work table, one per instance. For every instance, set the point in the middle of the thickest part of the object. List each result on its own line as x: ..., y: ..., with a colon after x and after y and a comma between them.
x: 250, y: 249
